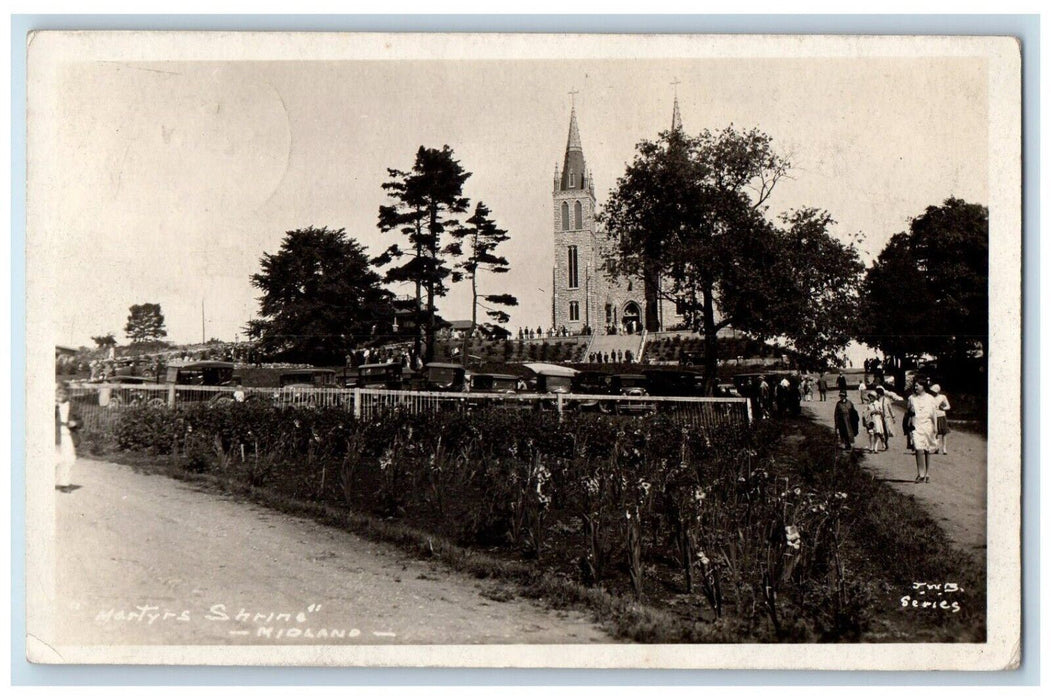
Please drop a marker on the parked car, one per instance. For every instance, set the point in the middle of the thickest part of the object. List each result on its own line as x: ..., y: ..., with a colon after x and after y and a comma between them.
x: 549, y: 379
x: 633, y: 385
x: 121, y: 390
x: 593, y: 382
x: 441, y: 376
x: 674, y: 382
x: 505, y: 385
x: 383, y: 375
x: 204, y: 374
x: 485, y: 383
x: 544, y: 378
x: 296, y: 387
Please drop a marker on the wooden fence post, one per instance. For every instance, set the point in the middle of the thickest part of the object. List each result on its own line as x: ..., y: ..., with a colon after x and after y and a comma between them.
x: 559, y: 406
x: 171, y: 396
x: 357, y: 402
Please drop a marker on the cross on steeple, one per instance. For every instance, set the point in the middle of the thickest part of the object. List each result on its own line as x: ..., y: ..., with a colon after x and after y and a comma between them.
x: 675, y: 83
x: 573, y: 97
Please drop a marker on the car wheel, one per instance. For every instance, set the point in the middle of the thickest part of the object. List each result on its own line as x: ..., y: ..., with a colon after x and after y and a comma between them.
x: 157, y: 402
x: 115, y: 401
x: 223, y: 400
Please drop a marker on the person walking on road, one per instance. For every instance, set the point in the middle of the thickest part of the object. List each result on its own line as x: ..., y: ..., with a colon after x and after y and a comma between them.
x: 822, y: 387
x: 941, y: 422
x: 874, y: 423
x: 885, y: 398
x: 846, y: 420
x: 923, y: 407
x: 841, y: 382
x: 67, y: 423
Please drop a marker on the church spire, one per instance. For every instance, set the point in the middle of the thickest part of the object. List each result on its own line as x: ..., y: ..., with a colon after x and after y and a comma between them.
x: 573, y: 142
x: 574, y: 170
x: 676, y: 119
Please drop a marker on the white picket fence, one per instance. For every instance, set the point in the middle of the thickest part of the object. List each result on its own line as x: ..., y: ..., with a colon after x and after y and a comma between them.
x: 100, y: 404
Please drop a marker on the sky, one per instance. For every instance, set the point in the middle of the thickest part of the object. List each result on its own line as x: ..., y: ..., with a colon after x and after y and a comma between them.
x: 167, y: 181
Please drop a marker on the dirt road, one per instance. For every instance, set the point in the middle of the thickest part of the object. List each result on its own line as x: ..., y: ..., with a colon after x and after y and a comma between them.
x: 956, y: 495
x: 144, y: 559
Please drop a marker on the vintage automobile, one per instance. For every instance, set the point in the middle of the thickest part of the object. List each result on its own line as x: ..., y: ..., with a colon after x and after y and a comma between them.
x: 205, y: 374
x: 485, y: 383
x: 441, y: 376
x: 592, y: 382
x: 504, y: 385
x: 634, y: 385
x: 121, y: 390
x: 673, y: 382
x: 298, y: 387
x: 383, y: 375
x: 544, y: 378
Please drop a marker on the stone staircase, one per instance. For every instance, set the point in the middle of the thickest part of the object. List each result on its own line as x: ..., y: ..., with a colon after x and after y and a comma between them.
x: 602, y: 344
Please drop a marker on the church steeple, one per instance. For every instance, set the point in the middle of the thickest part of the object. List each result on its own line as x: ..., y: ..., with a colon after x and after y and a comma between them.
x: 676, y: 119
x: 574, y: 169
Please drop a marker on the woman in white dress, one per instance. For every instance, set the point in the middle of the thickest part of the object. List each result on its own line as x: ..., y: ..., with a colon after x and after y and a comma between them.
x: 924, y: 408
x: 66, y: 424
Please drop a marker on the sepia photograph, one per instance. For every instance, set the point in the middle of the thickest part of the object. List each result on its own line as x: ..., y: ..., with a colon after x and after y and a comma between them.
x: 482, y: 350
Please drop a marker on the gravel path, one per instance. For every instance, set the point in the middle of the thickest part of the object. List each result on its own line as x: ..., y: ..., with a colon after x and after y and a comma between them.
x: 956, y: 495
x: 145, y: 559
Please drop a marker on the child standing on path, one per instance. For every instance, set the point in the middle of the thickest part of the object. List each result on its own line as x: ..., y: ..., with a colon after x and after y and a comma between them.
x: 874, y: 423
x: 941, y: 422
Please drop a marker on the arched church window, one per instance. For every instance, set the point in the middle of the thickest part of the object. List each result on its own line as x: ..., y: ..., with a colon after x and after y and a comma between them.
x: 565, y: 216
x: 578, y: 216
x: 572, y: 179
x: 574, y: 275
x: 630, y: 285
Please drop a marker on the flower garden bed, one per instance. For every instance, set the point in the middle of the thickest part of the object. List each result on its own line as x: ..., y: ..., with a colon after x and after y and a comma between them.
x: 756, y: 534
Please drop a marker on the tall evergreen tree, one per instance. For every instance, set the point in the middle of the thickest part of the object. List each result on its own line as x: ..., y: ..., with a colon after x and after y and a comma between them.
x: 426, y: 203
x: 477, y: 242
x: 320, y: 298
x: 145, y: 323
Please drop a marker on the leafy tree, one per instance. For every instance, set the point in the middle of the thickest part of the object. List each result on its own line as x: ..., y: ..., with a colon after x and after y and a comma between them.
x: 928, y: 291
x: 320, y: 298
x: 426, y: 203
x: 481, y: 237
x: 145, y: 323
x: 105, y: 341
x: 689, y: 217
x: 796, y: 283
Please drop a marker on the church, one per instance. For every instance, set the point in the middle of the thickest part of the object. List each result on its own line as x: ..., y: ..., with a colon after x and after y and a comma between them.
x: 584, y: 296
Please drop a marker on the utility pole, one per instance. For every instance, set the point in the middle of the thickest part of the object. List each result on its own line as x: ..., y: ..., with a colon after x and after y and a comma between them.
x: 202, y: 320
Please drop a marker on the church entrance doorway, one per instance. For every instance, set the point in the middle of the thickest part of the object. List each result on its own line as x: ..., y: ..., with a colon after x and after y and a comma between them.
x: 631, y: 319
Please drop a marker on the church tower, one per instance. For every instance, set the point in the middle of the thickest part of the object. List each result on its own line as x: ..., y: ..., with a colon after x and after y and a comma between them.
x: 576, y: 253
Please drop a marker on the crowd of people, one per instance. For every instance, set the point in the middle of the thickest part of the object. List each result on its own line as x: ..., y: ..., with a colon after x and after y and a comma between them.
x: 924, y: 423
x: 782, y: 397
x: 382, y: 355
x: 614, y: 357
x: 540, y: 333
